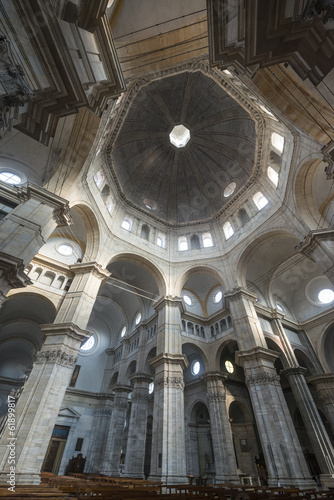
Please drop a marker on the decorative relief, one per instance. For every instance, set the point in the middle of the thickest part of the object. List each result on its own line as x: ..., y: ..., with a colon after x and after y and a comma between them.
x: 13, y: 88
x: 216, y: 397
x: 62, y: 216
x: 263, y: 378
x: 174, y: 382
x: 120, y: 405
x: 326, y: 398
x: 139, y: 397
x: 60, y: 357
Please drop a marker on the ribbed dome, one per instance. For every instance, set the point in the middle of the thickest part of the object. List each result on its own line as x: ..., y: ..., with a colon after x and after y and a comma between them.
x: 186, y: 184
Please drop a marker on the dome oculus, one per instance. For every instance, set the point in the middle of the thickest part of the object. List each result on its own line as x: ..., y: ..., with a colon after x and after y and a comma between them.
x: 179, y: 136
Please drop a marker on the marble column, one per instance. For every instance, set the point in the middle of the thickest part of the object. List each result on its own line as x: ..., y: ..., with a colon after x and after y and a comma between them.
x: 43, y: 393
x: 100, y: 428
x: 135, y: 451
x: 114, y: 437
x: 321, y: 444
x: 25, y: 229
x: 223, y: 449
x: 40, y: 402
x: 168, y: 463
x: 280, y: 445
x: 324, y: 384
x: 318, y: 245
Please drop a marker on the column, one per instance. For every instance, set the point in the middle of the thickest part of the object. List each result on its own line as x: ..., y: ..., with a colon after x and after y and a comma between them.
x: 280, y: 445
x: 316, y: 431
x: 168, y: 462
x: 100, y: 428
x: 318, y: 245
x: 223, y: 449
x: 135, y: 451
x: 43, y: 393
x: 25, y: 230
x: 324, y: 385
x: 283, y: 455
x: 114, y: 437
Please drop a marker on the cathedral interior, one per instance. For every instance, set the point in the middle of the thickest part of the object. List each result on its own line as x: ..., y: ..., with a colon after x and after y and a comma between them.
x: 166, y: 239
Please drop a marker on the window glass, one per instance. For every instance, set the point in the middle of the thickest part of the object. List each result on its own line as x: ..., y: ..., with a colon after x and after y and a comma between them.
x: 207, y: 240
x: 273, y: 176
x: 218, y: 297
x: 65, y: 249
x: 277, y: 141
x: 229, y: 366
x: 228, y: 230
x: 138, y: 318
x: 10, y: 178
x: 195, y: 367
x: 229, y: 190
x: 326, y: 296
x: 187, y: 300
x: 89, y: 344
x: 126, y: 224
x: 260, y: 200
x: 183, y: 243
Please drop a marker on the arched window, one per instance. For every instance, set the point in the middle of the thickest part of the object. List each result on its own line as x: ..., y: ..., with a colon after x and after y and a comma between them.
x: 99, y: 178
x: 243, y: 216
x: 47, y: 278
x: 277, y: 141
x: 194, y: 242
x: 161, y: 240
x: 145, y: 232
x: 207, y: 240
x: 273, y: 175
x: 127, y: 223
x: 260, y: 200
x: 105, y: 191
x: 183, y: 243
x: 228, y: 230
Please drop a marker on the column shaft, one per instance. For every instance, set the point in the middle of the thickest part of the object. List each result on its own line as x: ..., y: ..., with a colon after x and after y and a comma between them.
x: 225, y: 462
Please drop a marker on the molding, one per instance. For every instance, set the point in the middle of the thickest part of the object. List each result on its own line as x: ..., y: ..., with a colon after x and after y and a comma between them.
x: 233, y: 89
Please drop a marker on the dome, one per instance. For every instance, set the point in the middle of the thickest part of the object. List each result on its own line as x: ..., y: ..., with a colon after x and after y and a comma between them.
x: 182, y: 152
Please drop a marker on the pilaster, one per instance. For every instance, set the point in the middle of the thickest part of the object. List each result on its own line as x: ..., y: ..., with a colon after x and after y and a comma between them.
x: 223, y: 449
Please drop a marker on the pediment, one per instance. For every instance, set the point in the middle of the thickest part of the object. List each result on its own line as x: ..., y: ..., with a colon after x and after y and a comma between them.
x: 67, y: 411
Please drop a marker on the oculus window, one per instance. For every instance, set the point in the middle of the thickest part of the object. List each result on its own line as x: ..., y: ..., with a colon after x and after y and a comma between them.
x: 179, y: 136
x: 10, y: 178
x: 89, y: 344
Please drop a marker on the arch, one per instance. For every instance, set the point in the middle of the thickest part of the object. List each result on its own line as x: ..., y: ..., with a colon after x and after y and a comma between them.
x: 305, y: 362
x: 327, y: 347
x: 47, y: 278
x: 146, y: 264
x: 190, y: 349
x: 92, y: 231
x: 266, y: 244
x: 131, y: 369
x: 303, y: 191
x: 32, y: 306
x: 191, y: 271
x: 230, y: 345
x: 114, y: 379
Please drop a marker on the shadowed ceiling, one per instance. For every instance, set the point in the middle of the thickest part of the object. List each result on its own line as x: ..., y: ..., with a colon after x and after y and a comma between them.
x: 184, y: 185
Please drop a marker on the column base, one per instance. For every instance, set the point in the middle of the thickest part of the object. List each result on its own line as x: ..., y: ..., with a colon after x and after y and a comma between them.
x: 110, y: 473
x: 19, y: 478
x: 133, y: 475
x: 327, y: 481
x: 170, y: 479
x: 222, y: 479
x: 290, y: 482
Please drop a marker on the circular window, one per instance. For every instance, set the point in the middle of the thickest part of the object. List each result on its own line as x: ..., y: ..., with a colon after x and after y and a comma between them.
x: 187, y: 300
x: 195, y: 367
x: 279, y: 307
x: 10, y: 178
x: 230, y: 188
x: 151, y: 388
x: 123, y: 332
x: 65, y: 249
x: 326, y: 296
x: 89, y: 344
x: 229, y: 366
x: 218, y: 296
x: 138, y: 318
